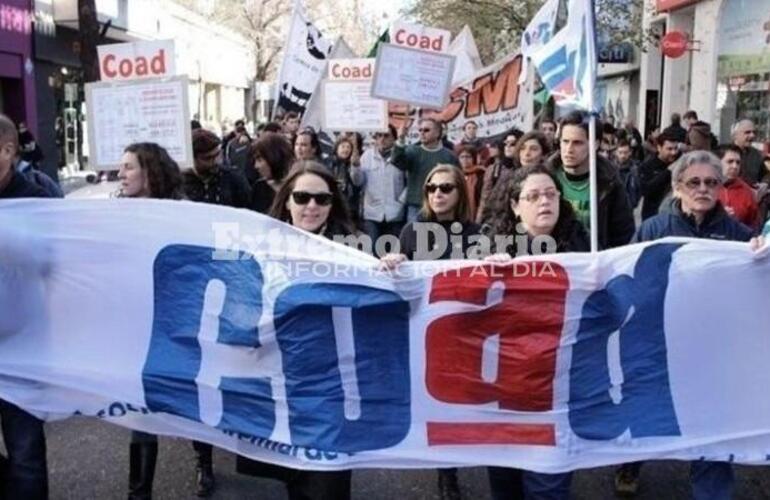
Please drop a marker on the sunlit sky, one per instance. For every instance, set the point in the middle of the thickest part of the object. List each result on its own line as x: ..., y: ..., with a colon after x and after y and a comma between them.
x: 382, y: 8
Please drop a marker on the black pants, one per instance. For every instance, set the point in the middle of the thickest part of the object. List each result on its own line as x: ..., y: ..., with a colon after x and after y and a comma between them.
x: 301, y: 484
x: 26, y: 476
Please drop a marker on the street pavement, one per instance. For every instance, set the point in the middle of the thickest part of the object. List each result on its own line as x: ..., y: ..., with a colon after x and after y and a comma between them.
x: 88, y: 459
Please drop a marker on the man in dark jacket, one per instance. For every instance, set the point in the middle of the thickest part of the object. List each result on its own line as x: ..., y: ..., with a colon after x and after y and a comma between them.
x: 744, y: 134
x: 26, y: 471
x: 696, y: 213
x: 654, y: 174
x: 209, y: 181
x: 571, y: 165
x: 676, y: 130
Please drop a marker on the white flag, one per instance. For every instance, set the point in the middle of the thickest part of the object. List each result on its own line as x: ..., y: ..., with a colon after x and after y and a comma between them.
x: 538, y: 32
x: 303, y: 63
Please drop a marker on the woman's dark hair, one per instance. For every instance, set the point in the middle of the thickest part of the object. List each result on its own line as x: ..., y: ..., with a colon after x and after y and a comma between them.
x: 314, y: 142
x: 276, y: 151
x: 340, y: 140
x: 529, y: 136
x: 164, y: 180
x: 467, y: 148
x: 339, y: 221
x: 504, y: 221
x: 463, y: 209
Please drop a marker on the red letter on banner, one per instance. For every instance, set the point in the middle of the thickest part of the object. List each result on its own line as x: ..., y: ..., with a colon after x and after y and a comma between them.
x: 528, y: 321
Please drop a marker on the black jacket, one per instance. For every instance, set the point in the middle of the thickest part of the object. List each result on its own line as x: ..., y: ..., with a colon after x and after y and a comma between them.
x: 717, y: 225
x: 616, y: 219
x: 654, y: 183
x: 417, y: 244
x: 573, y: 238
x: 226, y: 187
x: 21, y: 187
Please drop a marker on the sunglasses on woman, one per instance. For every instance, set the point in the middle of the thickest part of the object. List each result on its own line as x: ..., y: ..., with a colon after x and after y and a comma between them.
x: 445, y: 188
x: 303, y: 198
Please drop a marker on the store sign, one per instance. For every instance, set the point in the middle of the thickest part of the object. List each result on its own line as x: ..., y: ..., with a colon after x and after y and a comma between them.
x: 743, y: 45
x: 616, y: 53
x: 674, y: 44
x: 15, y: 19
x: 669, y: 5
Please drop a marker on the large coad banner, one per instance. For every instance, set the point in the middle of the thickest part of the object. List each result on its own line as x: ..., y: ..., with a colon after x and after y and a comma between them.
x: 228, y: 327
x: 493, y: 98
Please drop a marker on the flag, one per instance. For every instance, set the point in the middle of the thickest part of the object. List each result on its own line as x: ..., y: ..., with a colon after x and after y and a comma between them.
x: 468, y: 60
x: 567, y: 63
x: 538, y: 32
x: 304, y: 61
x: 384, y: 38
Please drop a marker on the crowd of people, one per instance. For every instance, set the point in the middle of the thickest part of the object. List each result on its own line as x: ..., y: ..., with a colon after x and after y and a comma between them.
x: 533, y: 185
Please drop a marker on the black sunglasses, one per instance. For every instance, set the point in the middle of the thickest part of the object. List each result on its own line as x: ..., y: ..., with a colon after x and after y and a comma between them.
x: 445, y: 188
x: 303, y: 198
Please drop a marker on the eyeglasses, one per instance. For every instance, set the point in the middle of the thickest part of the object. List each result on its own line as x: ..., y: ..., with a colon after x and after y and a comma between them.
x: 696, y: 182
x: 425, y: 129
x: 445, y: 188
x: 303, y: 198
x: 534, y: 196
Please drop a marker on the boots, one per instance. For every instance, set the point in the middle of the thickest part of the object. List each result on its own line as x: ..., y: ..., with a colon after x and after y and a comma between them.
x: 204, y: 470
x: 142, y: 457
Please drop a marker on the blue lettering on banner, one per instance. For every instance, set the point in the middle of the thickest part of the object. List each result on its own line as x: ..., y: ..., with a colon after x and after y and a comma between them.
x: 182, y: 274
x: 305, y: 331
x: 635, y: 308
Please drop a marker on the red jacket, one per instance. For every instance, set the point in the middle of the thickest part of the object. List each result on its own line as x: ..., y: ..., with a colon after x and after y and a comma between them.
x: 740, y: 197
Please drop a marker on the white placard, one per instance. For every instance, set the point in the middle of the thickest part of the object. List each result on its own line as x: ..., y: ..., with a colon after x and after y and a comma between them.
x: 131, y: 61
x: 421, y: 37
x: 351, y: 69
x: 149, y: 110
x: 412, y: 76
x: 348, y: 106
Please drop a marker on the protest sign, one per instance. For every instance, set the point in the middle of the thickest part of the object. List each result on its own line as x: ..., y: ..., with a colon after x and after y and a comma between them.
x: 348, y: 105
x: 492, y: 97
x: 420, y: 37
x: 130, y: 61
x: 230, y: 327
x: 412, y: 76
x: 147, y: 110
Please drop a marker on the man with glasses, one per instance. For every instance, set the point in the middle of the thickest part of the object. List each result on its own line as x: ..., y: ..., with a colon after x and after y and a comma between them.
x: 419, y: 159
x: 696, y: 213
x: 384, y: 187
x: 211, y: 182
x: 744, y: 134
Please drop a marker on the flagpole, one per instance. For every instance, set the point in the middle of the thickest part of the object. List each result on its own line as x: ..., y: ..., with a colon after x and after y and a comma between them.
x: 593, y: 189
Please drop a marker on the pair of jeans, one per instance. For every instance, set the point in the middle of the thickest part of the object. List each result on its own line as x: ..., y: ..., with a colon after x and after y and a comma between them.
x: 515, y: 484
x: 27, y: 472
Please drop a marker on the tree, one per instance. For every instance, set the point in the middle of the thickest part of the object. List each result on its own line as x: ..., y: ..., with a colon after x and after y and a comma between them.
x: 89, y: 39
x: 497, y: 26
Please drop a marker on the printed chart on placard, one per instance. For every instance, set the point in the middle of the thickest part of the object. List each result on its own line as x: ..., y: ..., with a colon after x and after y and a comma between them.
x: 348, y: 106
x: 146, y: 112
x: 413, y: 76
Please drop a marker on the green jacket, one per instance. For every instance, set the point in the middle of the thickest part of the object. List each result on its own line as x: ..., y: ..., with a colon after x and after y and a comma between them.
x: 417, y: 162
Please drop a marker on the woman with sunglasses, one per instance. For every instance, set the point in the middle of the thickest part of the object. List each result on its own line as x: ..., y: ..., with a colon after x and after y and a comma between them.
x: 309, y: 199
x: 271, y: 156
x: 147, y: 171
x: 533, y: 204
x: 445, y: 215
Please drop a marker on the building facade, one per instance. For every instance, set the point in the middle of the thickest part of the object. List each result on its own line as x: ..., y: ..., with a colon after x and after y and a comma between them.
x: 725, y: 73
x: 17, y: 70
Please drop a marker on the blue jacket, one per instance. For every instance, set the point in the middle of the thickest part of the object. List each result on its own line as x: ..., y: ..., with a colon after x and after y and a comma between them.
x: 716, y: 226
x: 39, y: 179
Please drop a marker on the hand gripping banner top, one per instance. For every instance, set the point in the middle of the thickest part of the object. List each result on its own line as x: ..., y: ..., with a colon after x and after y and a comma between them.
x: 226, y: 326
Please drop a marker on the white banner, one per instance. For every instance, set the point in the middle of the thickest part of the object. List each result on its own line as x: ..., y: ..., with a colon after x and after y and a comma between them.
x: 229, y: 327
x: 303, y: 64
x: 147, y: 110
